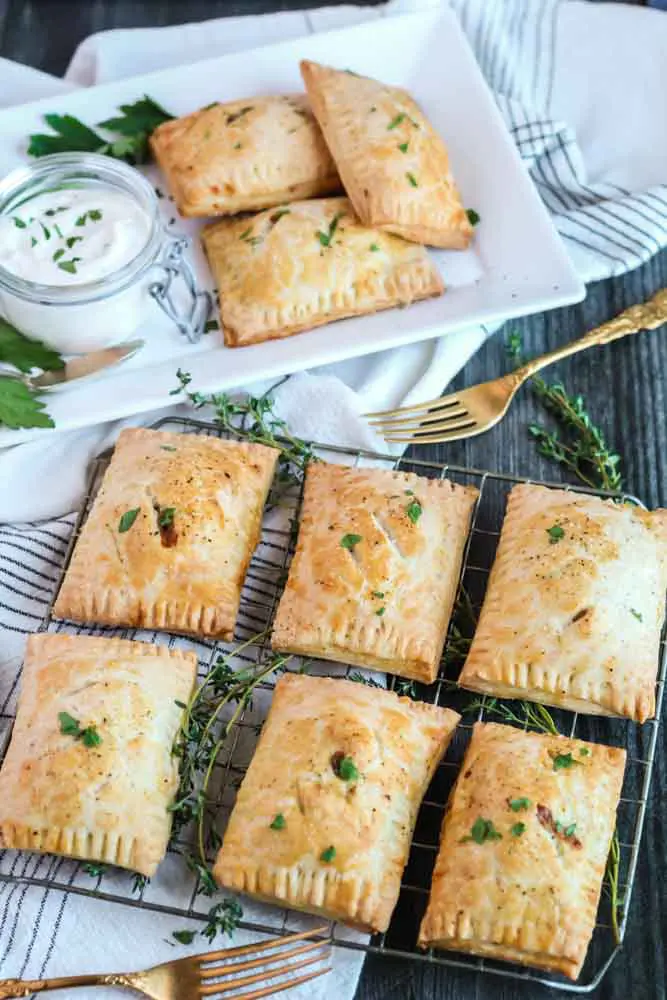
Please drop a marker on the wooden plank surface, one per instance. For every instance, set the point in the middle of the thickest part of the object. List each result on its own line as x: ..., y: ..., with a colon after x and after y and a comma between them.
x: 625, y: 387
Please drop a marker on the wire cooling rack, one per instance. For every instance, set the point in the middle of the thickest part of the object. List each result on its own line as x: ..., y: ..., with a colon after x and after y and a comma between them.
x: 174, y: 890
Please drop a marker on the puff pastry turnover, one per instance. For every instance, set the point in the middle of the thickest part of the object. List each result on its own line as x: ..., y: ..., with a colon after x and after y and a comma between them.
x: 170, y: 535
x: 244, y: 155
x: 523, y: 849
x: 393, y: 164
x: 574, y: 606
x: 376, y: 569
x: 307, y: 264
x: 324, y: 817
x: 104, y: 796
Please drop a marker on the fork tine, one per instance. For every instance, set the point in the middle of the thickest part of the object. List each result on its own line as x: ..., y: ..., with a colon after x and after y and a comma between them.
x: 410, y: 421
x: 224, y: 969
x: 270, y: 991
x: 428, y: 405
x: 449, y: 425
x: 458, y: 435
x: 252, y: 949
x: 235, y: 983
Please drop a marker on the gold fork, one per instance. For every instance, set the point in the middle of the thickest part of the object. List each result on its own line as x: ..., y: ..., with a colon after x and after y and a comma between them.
x: 475, y: 410
x: 192, y: 978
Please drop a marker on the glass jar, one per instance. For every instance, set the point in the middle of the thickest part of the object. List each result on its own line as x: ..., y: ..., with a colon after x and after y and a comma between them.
x: 86, y: 316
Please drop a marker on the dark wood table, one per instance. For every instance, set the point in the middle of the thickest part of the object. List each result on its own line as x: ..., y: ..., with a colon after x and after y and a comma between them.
x: 625, y: 387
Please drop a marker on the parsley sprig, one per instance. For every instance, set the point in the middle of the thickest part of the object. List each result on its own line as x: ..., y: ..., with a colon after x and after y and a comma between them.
x: 19, y: 405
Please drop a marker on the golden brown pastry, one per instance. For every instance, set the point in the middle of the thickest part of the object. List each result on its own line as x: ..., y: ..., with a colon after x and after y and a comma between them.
x: 376, y: 569
x: 89, y: 772
x: 306, y: 264
x: 393, y: 164
x: 574, y: 606
x: 523, y: 850
x: 244, y: 155
x: 324, y: 817
x: 170, y: 535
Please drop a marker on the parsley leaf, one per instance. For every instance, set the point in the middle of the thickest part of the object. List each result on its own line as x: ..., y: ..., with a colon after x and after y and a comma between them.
x: 279, y: 822
x: 481, y: 831
x: 72, y: 136
x: 636, y: 614
x: 414, y: 511
x: 69, y: 726
x: 328, y: 855
x: 69, y: 265
x: 127, y: 519
x: 584, y: 752
x: 518, y: 805
x: 518, y: 829
x: 90, y: 737
x: 569, y: 830
x: 326, y: 238
x: 378, y: 593
x: 412, y: 179
x: 403, y: 146
x: 564, y: 761
x: 380, y: 612
x: 19, y: 407
x: 19, y: 223
x: 346, y: 769
x: 473, y: 217
x: 555, y: 533
x: 26, y: 354
x: 184, y: 937
x: 349, y: 541
x: 396, y: 121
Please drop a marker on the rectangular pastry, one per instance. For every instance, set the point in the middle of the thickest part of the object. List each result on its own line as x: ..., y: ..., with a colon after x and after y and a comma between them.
x: 376, y: 569
x: 298, y: 267
x: 523, y: 849
x: 393, y: 164
x: 244, y: 155
x: 325, y: 814
x: 170, y: 535
x: 574, y: 607
x: 89, y: 772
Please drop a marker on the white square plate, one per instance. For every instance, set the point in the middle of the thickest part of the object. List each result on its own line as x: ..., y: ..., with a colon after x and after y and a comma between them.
x: 516, y: 266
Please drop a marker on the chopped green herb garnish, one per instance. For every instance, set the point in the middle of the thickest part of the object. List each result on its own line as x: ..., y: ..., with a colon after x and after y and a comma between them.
x: 326, y: 238
x: 412, y: 179
x: 278, y: 823
x: 244, y: 235
x: 374, y: 247
x: 90, y: 737
x: 345, y: 768
x: 277, y: 216
x: 69, y: 726
x: 95, y: 215
x: 409, y: 493
x: 211, y: 325
x: 58, y: 254
x: 518, y: 829
x: 373, y: 107
x: 481, y: 831
x: 328, y: 855
x: 71, y: 240
x: 569, y: 830
x: 166, y: 517
x: 46, y: 231
x: 238, y: 114
x: 378, y: 593
x: 184, y: 937
x: 128, y: 519
x: 94, y: 870
x: 380, y: 612
x: 564, y: 761
x: 237, y: 145
x: 584, y: 752
x: 69, y: 265
x: 59, y: 231
x: 518, y: 805
x: 395, y: 121
x: 555, y: 533
x: 349, y: 541
x: 473, y: 217
x: 33, y: 241
x: 636, y: 614
x: 19, y: 223
x: 403, y: 146
x: 414, y: 511
x: 167, y: 447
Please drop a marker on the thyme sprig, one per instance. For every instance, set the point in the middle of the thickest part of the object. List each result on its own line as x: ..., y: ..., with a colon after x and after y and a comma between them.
x: 253, y: 419
x: 461, y: 631
x: 577, y: 444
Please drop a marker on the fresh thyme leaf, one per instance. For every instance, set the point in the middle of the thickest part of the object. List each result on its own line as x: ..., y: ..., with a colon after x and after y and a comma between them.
x: 25, y: 354
x: 278, y: 823
x: 636, y: 614
x: 564, y: 761
x: 473, y: 217
x: 349, y: 541
x: 518, y: 805
x: 518, y: 829
x: 412, y: 179
x: 93, y: 869
x: 403, y: 146
x: 461, y: 631
x: 184, y: 937
x: 223, y: 918
x: 127, y: 519
x: 328, y: 855
x: 20, y: 407
x: 481, y: 831
x: 555, y: 533
x: 166, y: 517
x: 395, y: 122
x: 414, y: 511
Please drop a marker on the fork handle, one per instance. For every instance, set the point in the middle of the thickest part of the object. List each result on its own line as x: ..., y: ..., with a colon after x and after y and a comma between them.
x: 645, y: 316
x: 26, y: 987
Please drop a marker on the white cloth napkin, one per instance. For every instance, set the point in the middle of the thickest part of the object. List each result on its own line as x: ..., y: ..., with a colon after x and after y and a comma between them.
x: 580, y: 85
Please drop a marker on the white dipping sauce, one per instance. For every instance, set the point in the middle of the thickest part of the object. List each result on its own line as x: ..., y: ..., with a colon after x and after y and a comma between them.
x: 70, y: 237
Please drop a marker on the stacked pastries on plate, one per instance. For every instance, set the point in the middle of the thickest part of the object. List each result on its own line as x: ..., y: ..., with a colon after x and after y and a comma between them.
x: 300, y: 264
x: 324, y: 818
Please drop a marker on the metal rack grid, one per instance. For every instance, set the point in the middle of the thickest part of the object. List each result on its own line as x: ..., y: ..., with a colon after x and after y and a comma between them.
x: 259, y: 599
